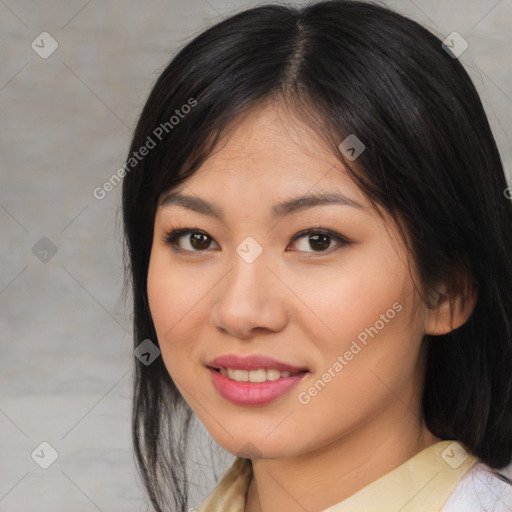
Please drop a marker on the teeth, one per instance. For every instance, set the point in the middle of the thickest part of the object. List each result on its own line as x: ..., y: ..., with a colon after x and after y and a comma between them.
x: 260, y: 375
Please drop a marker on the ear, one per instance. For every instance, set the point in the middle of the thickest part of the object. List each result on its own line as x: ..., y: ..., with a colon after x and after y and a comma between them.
x: 444, y: 317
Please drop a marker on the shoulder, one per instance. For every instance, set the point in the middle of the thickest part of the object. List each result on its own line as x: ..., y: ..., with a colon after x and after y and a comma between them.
x: 480, y: 490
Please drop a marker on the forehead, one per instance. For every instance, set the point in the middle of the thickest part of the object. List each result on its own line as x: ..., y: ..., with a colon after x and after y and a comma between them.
x: 269, y: 153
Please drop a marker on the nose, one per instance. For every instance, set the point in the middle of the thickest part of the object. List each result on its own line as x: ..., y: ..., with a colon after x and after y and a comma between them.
x: 249, y: 300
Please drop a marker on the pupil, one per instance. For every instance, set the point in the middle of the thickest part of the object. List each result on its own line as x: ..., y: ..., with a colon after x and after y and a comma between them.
x: 321, y: 240
x: 201, y: 239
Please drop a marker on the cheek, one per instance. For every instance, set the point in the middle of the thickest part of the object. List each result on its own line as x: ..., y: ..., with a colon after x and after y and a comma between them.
x: 168, y: 307
x: 175, y: 301
x: 374, y: 329
x: 353, y: 297
x: 356, y: 381
x: 160, y: 295
x: 171, y: 295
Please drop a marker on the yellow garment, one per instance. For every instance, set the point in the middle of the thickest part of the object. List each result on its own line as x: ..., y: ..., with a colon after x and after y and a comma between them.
x: 421, y: 484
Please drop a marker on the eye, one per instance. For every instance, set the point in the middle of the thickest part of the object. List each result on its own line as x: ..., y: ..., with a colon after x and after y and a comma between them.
x: 196, y: 241
x: 319, y: 240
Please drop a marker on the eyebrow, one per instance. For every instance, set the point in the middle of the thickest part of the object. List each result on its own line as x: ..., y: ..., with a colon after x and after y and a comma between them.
x: 279, y: 210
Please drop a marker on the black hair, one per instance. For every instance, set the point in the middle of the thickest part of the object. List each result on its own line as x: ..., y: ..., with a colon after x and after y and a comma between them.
x: 431, y: 161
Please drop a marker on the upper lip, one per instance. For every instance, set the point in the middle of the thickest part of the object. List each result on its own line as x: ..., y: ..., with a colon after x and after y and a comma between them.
x: 254, y: 362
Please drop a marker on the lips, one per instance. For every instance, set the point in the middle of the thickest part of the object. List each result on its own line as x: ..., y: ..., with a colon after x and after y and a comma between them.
x: 255, y: 362
x: 232, y: 378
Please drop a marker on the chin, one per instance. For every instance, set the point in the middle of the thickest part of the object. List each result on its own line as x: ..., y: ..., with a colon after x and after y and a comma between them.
x: 256, y: 449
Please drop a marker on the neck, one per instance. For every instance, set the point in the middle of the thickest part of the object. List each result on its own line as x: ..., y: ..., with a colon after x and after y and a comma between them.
x: 319, y: 479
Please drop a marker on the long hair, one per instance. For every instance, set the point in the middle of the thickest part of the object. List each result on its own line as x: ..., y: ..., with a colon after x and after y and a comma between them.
x: 431, y: 161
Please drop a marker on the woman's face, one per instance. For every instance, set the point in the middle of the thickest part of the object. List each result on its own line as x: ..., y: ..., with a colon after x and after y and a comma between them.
x: 255, y: 279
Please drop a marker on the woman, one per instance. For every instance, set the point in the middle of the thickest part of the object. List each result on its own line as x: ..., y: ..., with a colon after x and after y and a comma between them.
x: 319, y: 244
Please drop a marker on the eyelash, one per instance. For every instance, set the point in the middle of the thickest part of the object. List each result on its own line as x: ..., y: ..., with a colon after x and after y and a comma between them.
x: 171, y: 238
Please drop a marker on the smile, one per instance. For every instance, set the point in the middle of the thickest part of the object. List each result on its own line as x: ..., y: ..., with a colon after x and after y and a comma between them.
x: 260, y: 375
x: 239, y: 390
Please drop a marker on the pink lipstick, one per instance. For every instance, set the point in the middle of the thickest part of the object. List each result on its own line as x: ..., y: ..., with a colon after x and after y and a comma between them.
x: 253, y: 380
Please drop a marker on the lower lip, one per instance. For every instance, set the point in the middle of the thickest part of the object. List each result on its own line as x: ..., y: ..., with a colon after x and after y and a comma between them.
x: 253, y: 393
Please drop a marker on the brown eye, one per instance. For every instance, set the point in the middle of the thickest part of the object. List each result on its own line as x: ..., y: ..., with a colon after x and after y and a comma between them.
x: 188, y: 240
x: 196, y: 241
x: 199, y: 241
x: 318, y: 240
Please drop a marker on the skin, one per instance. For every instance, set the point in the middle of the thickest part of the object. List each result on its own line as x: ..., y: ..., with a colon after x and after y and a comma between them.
x: 298, y: 305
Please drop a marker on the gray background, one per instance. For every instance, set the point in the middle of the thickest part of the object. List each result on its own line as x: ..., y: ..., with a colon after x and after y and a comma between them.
x: 66, y: 122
